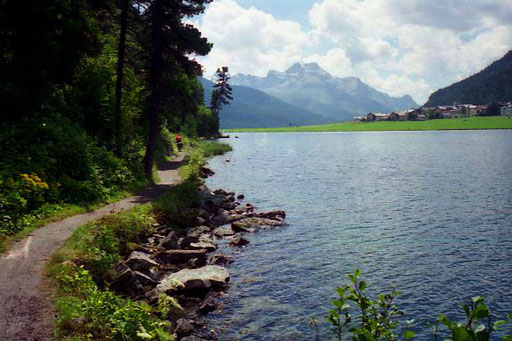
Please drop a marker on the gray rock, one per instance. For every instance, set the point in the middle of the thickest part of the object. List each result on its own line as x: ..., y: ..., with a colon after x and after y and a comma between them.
x: 184, y: 327
x: 145, y: 279
x: 241, y: 228
x: 220, y: 191
x: 186, y: 241
x: 239, y: 241
x: 139, y: 261
x: 209, y: 304
x: 220, y: 259
x: 198, y: 262
x: 275, y: 215
x: 202, y: 279
x: 197, y: 231
x: 179, y: 256
x: 192, y: 338
x: 223, y: 231
x: 203, y: 245
x: 169, y: 242
x: 248, y: 223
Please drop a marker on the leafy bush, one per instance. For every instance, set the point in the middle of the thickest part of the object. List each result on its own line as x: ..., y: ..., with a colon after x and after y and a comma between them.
x: 53, y: 161
x: 363, y: 318
x: 174, y: 203
x: 477, y: 327
x: 80, y: 269
x: 376, y: 318
x: 102, y: 314
x: 213, y: 148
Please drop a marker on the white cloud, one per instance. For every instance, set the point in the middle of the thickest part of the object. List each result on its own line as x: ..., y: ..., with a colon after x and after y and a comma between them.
x: 249, y: 40
x: 415, y: 45
x: 397, y: 46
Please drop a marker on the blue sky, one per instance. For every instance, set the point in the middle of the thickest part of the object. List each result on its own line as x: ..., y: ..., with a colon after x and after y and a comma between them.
x: 399, y: 47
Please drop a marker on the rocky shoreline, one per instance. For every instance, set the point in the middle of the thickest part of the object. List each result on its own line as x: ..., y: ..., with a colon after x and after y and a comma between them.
x: 183, y: 264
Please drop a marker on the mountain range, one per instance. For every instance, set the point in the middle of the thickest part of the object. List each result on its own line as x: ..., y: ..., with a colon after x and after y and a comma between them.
x: 303, y: 94
x: 492, y: 84
x: 252, y: 108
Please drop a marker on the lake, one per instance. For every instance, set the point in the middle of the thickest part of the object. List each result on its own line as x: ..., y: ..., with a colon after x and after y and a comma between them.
x: 427, y: 212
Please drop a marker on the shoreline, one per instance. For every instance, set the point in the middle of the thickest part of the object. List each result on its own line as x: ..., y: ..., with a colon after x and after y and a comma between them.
x: 471, y: 123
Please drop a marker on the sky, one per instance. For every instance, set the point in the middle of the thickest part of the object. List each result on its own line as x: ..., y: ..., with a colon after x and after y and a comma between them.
x: 397, y: 46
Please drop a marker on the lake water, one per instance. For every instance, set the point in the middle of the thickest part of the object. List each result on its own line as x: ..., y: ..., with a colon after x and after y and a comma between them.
x: 428, y: 212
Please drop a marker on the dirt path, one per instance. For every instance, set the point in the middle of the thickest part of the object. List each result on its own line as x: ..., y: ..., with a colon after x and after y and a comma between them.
x: 25, y: 312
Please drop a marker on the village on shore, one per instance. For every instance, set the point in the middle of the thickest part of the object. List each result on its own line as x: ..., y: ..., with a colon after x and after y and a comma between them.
x: 440, y: 112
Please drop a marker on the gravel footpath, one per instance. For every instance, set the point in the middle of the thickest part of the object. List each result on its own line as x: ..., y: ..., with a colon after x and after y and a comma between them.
x: 25, y: 309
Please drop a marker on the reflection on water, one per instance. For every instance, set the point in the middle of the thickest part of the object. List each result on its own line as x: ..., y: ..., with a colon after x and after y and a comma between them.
x: 429, y: 212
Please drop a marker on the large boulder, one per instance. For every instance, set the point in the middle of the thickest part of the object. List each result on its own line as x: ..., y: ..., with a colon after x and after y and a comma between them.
x: 246, y: 224
x: 274, y: 215
x: 180, y: 256
x: 202, y: 279
x: 139, y: 261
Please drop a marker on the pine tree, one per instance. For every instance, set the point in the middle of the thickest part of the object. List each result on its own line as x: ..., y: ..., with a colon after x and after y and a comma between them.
x: 221, y: 95
x: 172, y: 42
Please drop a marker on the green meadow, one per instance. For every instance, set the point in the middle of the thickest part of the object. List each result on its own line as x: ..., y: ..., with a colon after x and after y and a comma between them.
x: 492, y: 122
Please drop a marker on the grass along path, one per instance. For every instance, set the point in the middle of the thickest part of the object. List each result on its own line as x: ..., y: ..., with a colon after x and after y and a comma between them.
x: 25, y: 311
x: 471, y: 123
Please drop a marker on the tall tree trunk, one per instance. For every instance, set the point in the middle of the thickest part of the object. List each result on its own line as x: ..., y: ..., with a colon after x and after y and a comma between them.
x: 118, y: 130
x: 155, y: 71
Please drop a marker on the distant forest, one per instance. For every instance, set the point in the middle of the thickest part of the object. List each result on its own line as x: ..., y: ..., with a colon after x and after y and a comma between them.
x: 493, y: 84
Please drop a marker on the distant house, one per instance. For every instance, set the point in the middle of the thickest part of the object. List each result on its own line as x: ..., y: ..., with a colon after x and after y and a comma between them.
x: 506, y: 109
x: 482, y: 109
x: 377, y: 116
x: 407, y: 115
x: 468, y: 109
x: 394, y: 116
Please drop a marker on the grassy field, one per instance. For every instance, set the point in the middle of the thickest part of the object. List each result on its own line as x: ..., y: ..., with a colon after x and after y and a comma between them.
x: 493, y: 122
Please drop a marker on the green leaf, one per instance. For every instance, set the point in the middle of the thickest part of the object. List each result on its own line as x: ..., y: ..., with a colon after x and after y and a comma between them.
x: 466, y: 309
x: 481, y: 311
x: 409, y: 334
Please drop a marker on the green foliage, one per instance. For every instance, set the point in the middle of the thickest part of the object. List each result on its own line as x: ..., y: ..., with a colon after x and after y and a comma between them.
x: 357, y: 316
x: 174, y: 202
x: 80, y: 270
x: 375, y: 318
x: 221, y: 94
x: 99, y: 314
x: 53, y: 161
x: 213, y: 148
x: 477, y: 327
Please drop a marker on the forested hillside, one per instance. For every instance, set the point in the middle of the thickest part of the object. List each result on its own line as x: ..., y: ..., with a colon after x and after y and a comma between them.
x: 90, y: 91
x: 492, y: 84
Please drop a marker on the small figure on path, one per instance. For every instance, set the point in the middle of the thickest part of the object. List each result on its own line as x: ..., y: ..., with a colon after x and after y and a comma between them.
x: 178, y: 141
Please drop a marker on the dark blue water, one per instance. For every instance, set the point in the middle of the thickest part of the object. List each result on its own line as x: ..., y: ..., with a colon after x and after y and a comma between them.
x: 428, y: 212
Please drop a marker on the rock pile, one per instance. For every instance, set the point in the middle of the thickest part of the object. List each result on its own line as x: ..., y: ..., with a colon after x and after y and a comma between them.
x: 184, y: 263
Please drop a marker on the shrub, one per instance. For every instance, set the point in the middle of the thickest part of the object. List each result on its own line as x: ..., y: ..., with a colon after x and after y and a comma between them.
x: 102, y: 314
x: 363, y: 318
x: 375, y: 318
